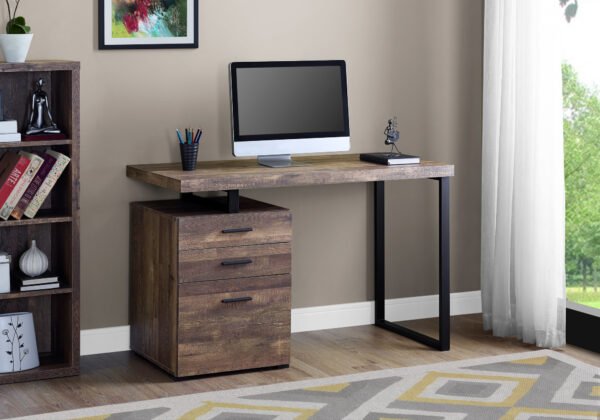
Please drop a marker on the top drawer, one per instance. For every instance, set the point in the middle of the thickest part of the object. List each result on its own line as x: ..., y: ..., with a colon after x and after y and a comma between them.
x: 235, y: 229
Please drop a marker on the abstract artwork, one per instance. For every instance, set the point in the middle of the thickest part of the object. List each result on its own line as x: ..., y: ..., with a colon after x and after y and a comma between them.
x: 148, y: 24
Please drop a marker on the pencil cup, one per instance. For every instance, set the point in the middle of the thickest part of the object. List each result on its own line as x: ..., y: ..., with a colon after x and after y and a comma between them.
x: 189, y: 156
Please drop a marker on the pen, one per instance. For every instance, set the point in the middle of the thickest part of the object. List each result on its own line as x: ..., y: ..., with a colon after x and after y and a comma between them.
x: 179, y: 135
x: 198, y: 136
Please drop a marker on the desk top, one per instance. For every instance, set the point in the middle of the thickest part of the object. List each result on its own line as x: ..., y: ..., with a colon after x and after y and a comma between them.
x: 243, y: 174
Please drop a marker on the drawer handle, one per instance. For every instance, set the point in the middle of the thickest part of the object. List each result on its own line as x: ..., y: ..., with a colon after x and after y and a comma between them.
x: 234, y: 300
x: 237, y: 230
x: 242, y: 261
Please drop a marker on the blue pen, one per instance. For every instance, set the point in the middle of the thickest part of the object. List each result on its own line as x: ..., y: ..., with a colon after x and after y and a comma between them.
x: 179, y: 135
x: 189, y: 136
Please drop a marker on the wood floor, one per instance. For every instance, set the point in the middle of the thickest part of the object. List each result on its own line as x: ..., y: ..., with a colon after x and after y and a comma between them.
x: 124, y: 377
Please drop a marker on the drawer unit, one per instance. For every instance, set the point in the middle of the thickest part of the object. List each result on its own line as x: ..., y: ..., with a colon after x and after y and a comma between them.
x: 210, y: 291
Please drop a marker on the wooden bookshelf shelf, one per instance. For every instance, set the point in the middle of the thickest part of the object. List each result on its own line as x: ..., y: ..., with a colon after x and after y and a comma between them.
x: 55, y: 227
x: 48, y: 369
x: 37, y: 143
x: 36, y: 293
x: 38, y: 220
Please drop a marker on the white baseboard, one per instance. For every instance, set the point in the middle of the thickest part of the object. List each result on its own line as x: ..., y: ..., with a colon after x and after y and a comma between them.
x: 108, y: 340
x: 104, y: 340
x: 363, y: 313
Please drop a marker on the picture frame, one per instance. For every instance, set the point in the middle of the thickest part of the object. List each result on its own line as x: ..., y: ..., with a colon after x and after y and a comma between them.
x: 147, y: 24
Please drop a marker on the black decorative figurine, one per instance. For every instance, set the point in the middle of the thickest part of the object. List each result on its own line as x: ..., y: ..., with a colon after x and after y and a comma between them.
x: 40, y: 118
x: 391, y: 134
x: 391, y: 158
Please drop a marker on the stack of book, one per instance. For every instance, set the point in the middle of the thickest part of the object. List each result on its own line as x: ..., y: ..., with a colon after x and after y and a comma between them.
x: 9, y: 131
x: 26, y: 180
x: 30, y: 284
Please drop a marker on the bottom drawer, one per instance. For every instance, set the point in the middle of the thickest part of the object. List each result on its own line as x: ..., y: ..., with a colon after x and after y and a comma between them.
x: 224, y: 332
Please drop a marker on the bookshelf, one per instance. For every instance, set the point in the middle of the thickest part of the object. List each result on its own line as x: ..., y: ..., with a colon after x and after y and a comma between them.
x: 55, y: 227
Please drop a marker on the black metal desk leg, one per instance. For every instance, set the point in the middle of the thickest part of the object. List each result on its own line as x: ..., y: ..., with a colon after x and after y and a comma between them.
x: 444, y: 267
x: 379, y: 195
x: 443, y: 343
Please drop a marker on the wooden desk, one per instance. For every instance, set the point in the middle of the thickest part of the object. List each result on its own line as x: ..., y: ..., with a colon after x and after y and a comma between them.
x: 239, y: 174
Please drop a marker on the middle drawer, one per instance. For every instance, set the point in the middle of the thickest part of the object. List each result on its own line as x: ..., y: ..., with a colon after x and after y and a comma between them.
x: 234, y: 262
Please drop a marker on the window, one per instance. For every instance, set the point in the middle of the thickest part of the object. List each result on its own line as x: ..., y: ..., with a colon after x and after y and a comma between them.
x: 581, y: 98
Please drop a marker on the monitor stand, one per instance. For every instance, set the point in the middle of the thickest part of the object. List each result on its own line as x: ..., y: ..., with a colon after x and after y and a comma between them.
x: 275, y: 161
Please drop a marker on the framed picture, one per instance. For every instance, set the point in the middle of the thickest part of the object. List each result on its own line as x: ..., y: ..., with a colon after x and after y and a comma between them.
x: 127, y: 24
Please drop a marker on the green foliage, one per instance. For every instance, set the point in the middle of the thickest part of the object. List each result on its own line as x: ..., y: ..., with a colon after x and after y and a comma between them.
x: 582, y: 179
x: 570, y: 7
x: 17, y: 26
x: 176, y: 17
x: 588, y: 298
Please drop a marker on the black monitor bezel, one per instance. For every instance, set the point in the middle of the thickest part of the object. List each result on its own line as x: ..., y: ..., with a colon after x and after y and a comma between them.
x: 233, y: 67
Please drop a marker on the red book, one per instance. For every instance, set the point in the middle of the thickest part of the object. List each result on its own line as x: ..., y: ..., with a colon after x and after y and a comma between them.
x: 43, y: 136
x: 12, y: 170
x: 45, y: 169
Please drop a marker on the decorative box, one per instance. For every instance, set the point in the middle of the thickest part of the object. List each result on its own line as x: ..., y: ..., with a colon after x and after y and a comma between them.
x: 4, y: 272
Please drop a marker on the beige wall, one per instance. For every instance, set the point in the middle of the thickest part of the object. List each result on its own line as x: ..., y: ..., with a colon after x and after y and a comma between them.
x: 417, y: 59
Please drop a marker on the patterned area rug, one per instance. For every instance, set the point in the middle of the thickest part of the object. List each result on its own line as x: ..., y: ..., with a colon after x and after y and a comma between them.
x: 534, y: 386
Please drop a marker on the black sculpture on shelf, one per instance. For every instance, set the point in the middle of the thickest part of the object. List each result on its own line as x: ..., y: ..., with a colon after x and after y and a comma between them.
x: 391, y: 134
x: 40, y: 117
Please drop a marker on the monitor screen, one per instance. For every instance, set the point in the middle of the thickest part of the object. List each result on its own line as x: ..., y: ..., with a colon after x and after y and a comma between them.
x: 289, y: 100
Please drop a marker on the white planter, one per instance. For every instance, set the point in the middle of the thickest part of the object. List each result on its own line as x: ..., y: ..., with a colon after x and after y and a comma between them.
x: 18, y: 348
x: 15, y: 47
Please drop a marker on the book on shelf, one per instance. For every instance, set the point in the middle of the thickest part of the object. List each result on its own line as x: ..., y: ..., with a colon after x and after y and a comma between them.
x: 45, y: 286
x: 12, y: 168
x: 24, y: 283
x: 39, y: 178
x: 44, y: 190
x: 35, y: 162
x: 8, y: 127
x: 10, y: 137
x: 390, y: 158
x: 46, y: 278
x: 44, y: 136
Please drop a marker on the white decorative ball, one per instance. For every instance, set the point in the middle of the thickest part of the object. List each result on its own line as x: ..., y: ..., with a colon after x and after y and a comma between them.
x: 33, y: 262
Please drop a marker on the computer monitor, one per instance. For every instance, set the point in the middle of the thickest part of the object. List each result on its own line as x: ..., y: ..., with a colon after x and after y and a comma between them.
x: 284, y: 107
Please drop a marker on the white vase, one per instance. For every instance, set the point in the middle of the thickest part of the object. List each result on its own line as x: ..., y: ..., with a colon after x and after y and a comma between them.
x: 18, y: 347
x: 33, y: 262
x: 15, y: 47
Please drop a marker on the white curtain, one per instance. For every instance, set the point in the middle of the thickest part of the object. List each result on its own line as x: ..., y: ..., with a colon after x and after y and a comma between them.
x: 522, y: 243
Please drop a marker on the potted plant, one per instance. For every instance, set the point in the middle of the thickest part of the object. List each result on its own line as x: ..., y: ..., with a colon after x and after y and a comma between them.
x: 17, y: 39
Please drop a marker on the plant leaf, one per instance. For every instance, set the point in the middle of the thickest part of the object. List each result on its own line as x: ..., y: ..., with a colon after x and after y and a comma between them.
x: 571, y: 11
x: 22, y: 345
x: 19, y: 20
x: 8, y: 352
x: 15, y: 28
